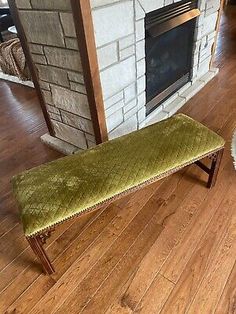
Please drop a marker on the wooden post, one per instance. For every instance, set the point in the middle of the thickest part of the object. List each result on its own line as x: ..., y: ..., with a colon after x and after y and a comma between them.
x: 81, y: 10
x: 217, y: 31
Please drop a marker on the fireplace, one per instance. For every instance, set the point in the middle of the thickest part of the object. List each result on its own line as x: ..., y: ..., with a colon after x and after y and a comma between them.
x: 169, y: 50
x: 97, y: 71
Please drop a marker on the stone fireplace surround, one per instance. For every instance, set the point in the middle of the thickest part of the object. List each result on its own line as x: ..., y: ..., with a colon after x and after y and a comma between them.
x: 119, y: 35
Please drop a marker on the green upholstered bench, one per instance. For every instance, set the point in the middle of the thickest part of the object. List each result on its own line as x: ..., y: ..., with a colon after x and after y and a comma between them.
x: 74, y: 185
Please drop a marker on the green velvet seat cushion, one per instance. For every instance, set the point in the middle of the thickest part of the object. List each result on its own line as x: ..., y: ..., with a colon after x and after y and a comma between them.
x: 63, y: 188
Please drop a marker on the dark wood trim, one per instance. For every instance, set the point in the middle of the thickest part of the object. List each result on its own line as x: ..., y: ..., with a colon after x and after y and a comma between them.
x: 86, y: 42
x: 217, y: 31
x: 30, y: 63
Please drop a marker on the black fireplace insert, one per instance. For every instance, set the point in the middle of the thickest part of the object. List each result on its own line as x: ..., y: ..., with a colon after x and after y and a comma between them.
x: 169, y: 50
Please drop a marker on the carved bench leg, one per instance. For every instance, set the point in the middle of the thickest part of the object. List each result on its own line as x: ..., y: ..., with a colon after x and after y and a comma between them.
x: 214, y: 170
x: 36, y: 243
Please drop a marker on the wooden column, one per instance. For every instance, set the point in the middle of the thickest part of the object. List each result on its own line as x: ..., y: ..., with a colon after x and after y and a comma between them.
x: 29, y: 61
x: 81, y: 10
x: 217, y: 31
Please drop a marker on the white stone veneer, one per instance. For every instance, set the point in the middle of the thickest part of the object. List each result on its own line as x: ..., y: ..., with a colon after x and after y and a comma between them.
x: 50, y: 32
x: 120, y: 39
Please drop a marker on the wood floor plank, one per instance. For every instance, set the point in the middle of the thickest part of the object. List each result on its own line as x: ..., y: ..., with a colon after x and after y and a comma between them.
x: 213, y: 283
x: 227, y: 301
x: 201, y: 260
x: 8, y: 225
x: 180, y: 255
x: 9, y: 253
x: 156, y: 296
x: 124, y: 269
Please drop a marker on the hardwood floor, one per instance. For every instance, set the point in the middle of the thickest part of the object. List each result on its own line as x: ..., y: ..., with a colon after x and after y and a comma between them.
x: 169, y: 248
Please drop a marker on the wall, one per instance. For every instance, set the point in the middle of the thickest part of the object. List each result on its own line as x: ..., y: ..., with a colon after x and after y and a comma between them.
x: 120, y: 39
x: 50, y: 32
x: 120, y: 43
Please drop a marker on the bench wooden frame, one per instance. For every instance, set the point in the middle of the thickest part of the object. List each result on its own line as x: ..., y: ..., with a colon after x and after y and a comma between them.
x: 37, y: 241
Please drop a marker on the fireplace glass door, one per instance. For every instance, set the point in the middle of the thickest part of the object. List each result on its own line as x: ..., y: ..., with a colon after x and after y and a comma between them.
x: 168, y: 62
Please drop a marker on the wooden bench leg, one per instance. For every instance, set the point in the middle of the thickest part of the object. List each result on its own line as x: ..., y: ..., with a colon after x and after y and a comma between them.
x: 36, y: 243
x: 214, y: 170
